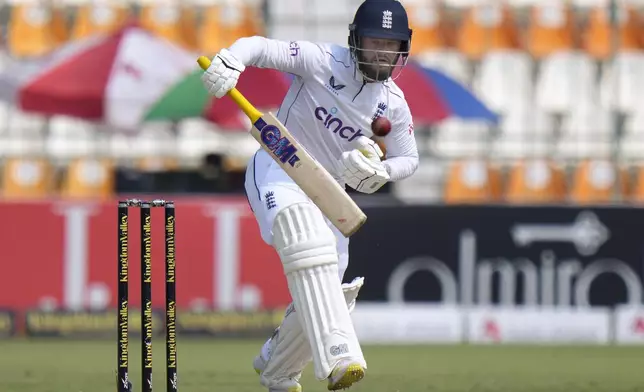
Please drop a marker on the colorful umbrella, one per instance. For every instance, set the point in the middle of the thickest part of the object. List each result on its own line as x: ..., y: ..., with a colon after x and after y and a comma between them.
x: 432, y: 97
x: 116, y: 79
x: 265, y: 88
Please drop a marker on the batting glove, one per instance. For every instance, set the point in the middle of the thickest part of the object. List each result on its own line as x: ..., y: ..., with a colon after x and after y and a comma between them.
x: 363, y: 169
x: 368, y: 147
x: 223, y: 73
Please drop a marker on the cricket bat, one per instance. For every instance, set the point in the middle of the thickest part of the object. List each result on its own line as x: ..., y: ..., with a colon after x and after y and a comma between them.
x: 306, y: 172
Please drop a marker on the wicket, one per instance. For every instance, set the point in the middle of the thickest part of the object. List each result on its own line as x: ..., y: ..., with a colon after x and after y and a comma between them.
x: 123, y: 382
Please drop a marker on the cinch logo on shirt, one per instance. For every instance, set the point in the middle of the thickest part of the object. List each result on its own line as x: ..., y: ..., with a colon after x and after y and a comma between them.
x: 336, y: 125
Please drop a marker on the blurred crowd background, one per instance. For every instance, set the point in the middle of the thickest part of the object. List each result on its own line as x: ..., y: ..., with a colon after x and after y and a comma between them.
x: 565, y: 78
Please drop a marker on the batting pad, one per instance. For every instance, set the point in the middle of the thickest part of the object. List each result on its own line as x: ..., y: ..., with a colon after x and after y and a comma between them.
x: 307, y: 248
x: 290, y: 350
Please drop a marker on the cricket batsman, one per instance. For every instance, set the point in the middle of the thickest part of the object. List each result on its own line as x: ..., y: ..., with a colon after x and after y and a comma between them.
x: 336, y: 94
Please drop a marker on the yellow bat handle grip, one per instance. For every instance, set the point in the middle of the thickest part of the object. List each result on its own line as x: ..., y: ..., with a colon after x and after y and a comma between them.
x: 240, y: 100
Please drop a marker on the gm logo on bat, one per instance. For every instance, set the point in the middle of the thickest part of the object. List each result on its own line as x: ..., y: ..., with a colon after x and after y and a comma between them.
x: 279, y: 145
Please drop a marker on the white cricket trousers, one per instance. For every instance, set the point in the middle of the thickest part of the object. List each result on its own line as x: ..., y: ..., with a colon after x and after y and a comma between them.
x: 269, y: 189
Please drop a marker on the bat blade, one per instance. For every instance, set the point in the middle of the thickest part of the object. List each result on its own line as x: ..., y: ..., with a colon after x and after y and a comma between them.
x: 308, y: 174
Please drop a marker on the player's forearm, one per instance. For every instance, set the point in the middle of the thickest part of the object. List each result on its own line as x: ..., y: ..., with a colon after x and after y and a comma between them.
x: 400, y: 168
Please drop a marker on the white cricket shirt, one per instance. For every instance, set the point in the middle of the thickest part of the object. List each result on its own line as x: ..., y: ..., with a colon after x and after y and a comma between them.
x: 328, y: 105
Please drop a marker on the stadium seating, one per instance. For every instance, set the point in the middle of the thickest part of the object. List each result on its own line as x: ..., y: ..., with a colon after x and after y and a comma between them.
x: 622, y: 81
x: 600, y: 40
x: 551, y: 29
x: 22, y: 134
x: 197, y: 137
x: 27, y: 178
x: 636, y: 189
x: 586, y: 132
x: 598, y: 181
x: 473, y: 181
x: 88, y: 178
x: 535, y: 181
x: 98, y: 18
x: 524, y: 132
x: 431, y: 32
x: 59, y: 27
x: 30, y: 31
x: 69, y: 138
x: 226, y: 22
x: 504, y: 80
x: 171, y: 21
x: 565, y: 78
x: 456, y: 138
x: 487, y: 27
x: 632, y: 142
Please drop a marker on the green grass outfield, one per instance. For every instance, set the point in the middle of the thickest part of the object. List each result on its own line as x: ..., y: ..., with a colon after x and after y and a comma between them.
x: 225, y: 366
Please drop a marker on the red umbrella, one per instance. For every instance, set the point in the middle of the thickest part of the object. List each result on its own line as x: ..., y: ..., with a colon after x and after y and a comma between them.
x: 264, y: 88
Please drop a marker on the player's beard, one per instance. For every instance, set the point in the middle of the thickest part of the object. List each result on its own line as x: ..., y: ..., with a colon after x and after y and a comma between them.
x: 378, y: 65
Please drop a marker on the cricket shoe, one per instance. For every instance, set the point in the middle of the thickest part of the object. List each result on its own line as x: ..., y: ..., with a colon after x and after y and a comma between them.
x: 286, y: 385
x: 345, y: 374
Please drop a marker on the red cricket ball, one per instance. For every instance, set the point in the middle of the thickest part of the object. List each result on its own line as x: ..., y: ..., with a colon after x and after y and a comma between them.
x: 381, y: 126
